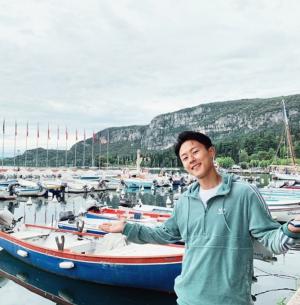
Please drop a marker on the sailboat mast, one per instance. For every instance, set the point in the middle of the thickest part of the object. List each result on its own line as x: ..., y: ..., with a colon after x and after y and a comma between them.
x: 27, y: 133
x: 107, y: 159
x: 37, y: 144
x: 15, y: 144
x: 3, y: 132
x: 288, y: 134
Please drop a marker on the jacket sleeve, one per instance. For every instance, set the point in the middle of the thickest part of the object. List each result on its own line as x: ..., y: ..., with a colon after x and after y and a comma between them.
x: 277, y: 238
x: 166, y: 233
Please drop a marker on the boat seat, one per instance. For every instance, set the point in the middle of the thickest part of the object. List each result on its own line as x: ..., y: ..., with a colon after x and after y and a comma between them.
x: 110, y: 242
x: 29, y: 234
x: 82, y: 246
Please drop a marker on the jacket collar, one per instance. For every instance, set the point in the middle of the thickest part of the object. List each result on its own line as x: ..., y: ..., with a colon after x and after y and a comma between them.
x: 193, y: 189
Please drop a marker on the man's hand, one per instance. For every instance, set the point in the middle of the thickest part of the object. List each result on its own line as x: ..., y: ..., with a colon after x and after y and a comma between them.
x: 294, y: 229
x: 115, y: 227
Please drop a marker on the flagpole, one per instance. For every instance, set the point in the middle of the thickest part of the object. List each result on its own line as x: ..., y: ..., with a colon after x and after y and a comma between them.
x: 99, y: 151
x: 3, y: 132
x: 83, y: 159
x: 57, y: 138
x: 93, y: 149
x: 107, y: 148
x: 37, y: 144
x: 48, y: 136
x: 26, y: 145
x: 66, y: 157
x: 76, y: 138
x: 15, y: 143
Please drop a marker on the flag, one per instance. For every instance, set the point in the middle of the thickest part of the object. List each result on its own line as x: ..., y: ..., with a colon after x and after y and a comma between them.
x: 27, y: 133
x: 38, y: 131
x: 16, y: 131
x: 3, y: 130
x: 66, y: 133
x: 57, y: 133
x: 48, y: 132
x: 76, y: 135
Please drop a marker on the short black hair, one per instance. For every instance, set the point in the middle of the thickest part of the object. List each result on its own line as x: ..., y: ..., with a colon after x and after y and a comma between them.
x: 191, y: 135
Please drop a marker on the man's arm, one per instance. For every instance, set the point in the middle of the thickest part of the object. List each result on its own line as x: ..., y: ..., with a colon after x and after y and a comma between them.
x: 277, y: 238
x: 166, y: 233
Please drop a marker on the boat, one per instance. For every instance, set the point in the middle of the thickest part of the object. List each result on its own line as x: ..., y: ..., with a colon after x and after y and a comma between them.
x: 284, y: 213
x: 288, y: 173
x: 287, y: 177
x: 30, y: 191
x: 61, y: 290
x: 5, y: 195
x: 107, y: 259
x: 91, y: 225
x: 143, y: 211
x: 29, y: 188
x: 137, y: 183
x: 76, y: 186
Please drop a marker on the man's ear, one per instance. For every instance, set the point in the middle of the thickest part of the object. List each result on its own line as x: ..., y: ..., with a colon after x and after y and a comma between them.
x: 212, y: 152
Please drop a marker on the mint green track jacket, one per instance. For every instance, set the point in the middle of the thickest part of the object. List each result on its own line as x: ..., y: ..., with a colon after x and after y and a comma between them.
x: 218, y: 262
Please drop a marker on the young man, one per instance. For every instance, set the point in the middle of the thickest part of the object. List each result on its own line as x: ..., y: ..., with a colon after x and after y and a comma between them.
x: 218, y: 218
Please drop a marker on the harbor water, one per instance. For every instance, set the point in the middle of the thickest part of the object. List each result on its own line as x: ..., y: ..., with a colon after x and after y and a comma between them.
x: 23, y: 284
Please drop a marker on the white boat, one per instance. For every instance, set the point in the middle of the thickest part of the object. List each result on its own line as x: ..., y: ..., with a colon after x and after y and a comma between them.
x: 287, y: 177
x: 76, y: 186
x: 138, y: 182
x: 91, y: 225
x: 29, y: 188
x: 284, y: 213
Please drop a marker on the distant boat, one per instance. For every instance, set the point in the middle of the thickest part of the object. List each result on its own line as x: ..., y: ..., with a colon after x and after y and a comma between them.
x: 137, y: 182
x: 287, y: 177
x: 4, y: 195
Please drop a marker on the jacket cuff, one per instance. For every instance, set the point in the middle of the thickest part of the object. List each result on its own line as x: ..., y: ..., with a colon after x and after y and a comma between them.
x: 287, y: 232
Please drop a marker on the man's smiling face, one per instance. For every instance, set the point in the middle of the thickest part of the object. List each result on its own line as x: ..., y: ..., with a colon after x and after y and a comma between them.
x: 196, y: 158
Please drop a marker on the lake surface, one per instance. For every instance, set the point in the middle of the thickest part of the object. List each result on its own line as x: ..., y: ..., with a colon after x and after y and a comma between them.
x: 23, y: 284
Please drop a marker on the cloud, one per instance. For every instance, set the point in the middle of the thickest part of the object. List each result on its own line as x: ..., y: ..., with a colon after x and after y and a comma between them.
x: 120, y: 63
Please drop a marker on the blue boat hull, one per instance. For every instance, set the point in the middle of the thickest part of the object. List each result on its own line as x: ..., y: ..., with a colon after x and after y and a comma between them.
x: 60, y: 290
x: 158, y: 276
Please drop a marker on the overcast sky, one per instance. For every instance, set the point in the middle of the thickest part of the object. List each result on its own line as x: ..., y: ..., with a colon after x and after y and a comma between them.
x: 101, y: 63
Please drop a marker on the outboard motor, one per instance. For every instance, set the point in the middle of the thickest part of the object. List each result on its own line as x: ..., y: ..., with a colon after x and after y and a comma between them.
x: 6, y: 219
x: 67, y: 215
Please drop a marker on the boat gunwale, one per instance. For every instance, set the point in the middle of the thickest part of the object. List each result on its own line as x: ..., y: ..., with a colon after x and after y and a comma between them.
x: 88, y: 258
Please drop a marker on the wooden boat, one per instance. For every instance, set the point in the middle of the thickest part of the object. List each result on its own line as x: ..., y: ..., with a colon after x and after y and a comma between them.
x: 64, y: 291
x: 138, y: 212
x: 91, y: 225
x: 284, y: 213
x: 107, y: 260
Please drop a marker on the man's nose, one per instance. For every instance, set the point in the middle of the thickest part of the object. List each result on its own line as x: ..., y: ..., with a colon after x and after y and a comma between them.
x: 192, y: 159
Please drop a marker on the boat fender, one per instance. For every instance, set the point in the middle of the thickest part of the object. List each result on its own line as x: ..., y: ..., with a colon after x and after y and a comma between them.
x: 22, y: 253
x: 60, y: 243
x: 66, y: 265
